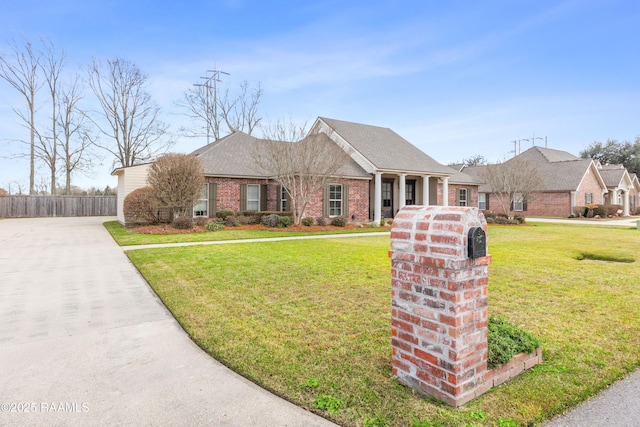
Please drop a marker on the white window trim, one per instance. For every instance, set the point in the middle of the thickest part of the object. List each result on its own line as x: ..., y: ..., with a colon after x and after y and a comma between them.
x: 518, y: 202
x: 203, y: 199
x: 461, y: 201
x: 256, y: 200
x: 482, y: 198
x: 340, y: 200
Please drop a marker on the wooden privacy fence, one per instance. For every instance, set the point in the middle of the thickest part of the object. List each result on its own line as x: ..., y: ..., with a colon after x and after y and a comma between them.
x: 37, y: 206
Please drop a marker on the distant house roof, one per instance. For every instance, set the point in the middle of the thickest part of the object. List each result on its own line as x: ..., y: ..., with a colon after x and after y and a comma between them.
x: 382, y: 148
x: 614, y: 175
x: 461, y: 177
x: 477, y: 174
x: 233, y: 156
x: 560, y: 170
x: 552, y: 155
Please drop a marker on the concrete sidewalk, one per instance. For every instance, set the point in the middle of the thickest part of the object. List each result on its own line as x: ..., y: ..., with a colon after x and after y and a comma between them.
x: 84, y: 341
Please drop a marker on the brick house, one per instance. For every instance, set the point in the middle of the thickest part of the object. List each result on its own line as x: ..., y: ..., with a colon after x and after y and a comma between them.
x: 385, y: 173
x: 621, y: 188
x: 568, y: 182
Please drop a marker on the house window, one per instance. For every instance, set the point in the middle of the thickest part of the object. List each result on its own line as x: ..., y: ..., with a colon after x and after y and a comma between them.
x: 253, y: 197
x: 482, y: 201
x: 588, y: 198
x: 202, y: 205
x: 335, y: 200
x: 410, y: 193
x: 387, y: 193
x: 462, y: 197
x: 518, y: 202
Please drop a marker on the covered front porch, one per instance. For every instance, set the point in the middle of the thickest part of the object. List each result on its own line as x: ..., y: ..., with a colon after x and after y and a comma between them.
x: 619, y: 196
x: 390, y: 191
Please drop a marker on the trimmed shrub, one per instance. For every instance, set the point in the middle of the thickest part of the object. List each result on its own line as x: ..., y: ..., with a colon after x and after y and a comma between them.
x: 260, y: 214
x: 246, y: 219
x: 579, y: 211
x: 214, y: 226
x: 270, y: 220
x: 321, y: 221
x: 339, y: 221
x: 224, y: 213
x: 201, y: 221
x: 231, y: 221
x: 182, y: 223
x: 284, y: 221
x: 141, y: 206
x: 307, y: 221
x: 519, y: 219
x: 612, y: 210
x: 600, y: 210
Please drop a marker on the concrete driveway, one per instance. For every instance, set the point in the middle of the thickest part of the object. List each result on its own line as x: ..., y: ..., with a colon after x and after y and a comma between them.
x: 84, y: 341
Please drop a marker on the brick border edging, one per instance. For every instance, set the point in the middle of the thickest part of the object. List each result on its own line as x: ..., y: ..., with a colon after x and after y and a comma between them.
x: 520, y: 363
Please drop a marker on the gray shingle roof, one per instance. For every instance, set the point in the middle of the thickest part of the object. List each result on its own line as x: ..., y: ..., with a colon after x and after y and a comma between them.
x: 385, y: 149
x: 612, y: 174
x: 553, y: 155
x: 560, y: 171
x: 462, y: 177
x: 233, y: 156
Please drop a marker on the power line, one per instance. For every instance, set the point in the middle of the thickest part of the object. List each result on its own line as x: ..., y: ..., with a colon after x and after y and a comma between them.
x: 215, y: 78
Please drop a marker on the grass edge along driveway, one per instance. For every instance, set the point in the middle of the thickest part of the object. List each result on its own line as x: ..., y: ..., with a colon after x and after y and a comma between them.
x: 309, y: 320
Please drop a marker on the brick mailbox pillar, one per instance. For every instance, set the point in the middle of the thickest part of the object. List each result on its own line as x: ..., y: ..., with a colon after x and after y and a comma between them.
x: 439, y: 302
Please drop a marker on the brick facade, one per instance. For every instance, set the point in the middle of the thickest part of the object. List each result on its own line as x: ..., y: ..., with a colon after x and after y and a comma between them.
x: 228, y: 196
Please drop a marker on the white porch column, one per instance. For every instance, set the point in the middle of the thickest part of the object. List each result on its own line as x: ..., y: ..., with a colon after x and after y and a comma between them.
x: 377, y: 204
x: 425, y: 190
x: 445, y: 191
x: 402, y: 198
x: 625, y: 205
x: 573, y: 202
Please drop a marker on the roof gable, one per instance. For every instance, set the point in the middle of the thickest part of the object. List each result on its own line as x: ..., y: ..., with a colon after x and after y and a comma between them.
x: 379, y: 149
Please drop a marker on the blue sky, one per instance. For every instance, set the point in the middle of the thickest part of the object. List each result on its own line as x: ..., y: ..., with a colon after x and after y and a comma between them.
x: 455, y: 78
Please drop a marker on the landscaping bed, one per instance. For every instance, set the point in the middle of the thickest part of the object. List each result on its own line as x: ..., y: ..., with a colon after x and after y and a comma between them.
x: 163, y: 229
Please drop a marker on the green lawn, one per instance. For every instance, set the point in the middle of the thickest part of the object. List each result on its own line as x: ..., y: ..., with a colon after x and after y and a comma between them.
x: 309, y: 319
x: 125, y: 237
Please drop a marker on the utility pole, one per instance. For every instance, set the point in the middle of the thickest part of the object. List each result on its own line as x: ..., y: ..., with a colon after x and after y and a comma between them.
x: 211, y: 115
x: 533, y: 140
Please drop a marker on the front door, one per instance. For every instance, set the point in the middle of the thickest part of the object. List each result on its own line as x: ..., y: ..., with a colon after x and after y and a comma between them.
x: 387, y: 199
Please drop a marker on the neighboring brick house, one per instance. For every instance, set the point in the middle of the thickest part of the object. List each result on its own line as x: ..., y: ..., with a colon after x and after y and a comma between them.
x: 621, y: 188
x: 385, y: 173
x: 568, y: 181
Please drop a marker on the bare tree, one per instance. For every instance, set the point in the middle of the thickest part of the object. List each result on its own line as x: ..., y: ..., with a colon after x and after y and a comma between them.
x: 512, y: 182
x: 75, y: 140
x: 177, y: 181
x: 303, y: 168
x: 284, y: 130
x: 47, y: 148
x: 240, y: 113
x: 130, y: 117
x: 20, y: 70
x: 217, y: 112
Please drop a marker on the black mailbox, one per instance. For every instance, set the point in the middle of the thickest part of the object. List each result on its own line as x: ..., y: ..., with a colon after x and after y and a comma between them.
x: 477, y: 242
